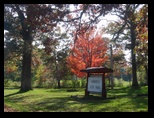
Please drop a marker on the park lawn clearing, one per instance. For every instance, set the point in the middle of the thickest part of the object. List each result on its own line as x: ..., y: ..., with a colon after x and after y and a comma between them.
x: 124, y: 99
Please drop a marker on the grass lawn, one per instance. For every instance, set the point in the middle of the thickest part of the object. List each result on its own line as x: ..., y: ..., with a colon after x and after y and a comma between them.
x: 60, y: 100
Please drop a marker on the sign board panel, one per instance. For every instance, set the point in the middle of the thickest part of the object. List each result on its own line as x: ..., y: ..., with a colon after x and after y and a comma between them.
x: 95, y: 83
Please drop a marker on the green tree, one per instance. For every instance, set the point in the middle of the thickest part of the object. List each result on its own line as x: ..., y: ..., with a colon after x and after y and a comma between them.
x: 25, y: 22
x: 126, y: 30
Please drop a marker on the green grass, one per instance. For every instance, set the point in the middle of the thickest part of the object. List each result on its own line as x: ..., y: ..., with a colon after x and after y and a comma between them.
x: 59, y: 100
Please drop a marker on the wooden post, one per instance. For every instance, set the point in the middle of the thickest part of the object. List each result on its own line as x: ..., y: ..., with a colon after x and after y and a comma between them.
x: 103, y: 86
x: 86, y: 90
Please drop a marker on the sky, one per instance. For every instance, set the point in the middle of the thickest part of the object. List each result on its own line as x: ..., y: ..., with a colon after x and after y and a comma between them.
x: 104, y: 23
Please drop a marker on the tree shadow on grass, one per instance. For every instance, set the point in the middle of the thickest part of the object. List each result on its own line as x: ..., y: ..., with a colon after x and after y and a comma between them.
x: 67, y: 104
x: 126, y: 91
x: 134, y: 90
x: 19, y: 92
x: 91, y: 99
x: 50, y: 104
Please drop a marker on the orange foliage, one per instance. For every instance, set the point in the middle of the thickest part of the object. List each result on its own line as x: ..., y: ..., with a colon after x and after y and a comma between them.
x: 10, y: 68
x: 89, y: 50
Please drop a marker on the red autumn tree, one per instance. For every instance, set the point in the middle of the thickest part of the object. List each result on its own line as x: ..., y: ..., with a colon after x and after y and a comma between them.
x: 88, y: 51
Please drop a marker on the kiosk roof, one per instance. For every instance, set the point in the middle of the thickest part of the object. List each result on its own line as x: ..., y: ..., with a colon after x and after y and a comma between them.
x: 97, y: 70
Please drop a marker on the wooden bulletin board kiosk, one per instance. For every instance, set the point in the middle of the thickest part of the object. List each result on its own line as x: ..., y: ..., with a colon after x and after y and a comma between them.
x: 96, y: 80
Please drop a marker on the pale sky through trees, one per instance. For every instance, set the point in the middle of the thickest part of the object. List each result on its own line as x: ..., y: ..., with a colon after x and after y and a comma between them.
x: 102, y: 24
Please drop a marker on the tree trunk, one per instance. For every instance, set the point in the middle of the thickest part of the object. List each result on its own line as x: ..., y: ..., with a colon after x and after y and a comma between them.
x: 26, y: 82
x: 146, y: 76
x: 133, y: 39
x: 111, y: 61
x: 58, y: 83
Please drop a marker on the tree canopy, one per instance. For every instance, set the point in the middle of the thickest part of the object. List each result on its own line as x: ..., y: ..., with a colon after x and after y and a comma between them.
x: 29, y: 23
